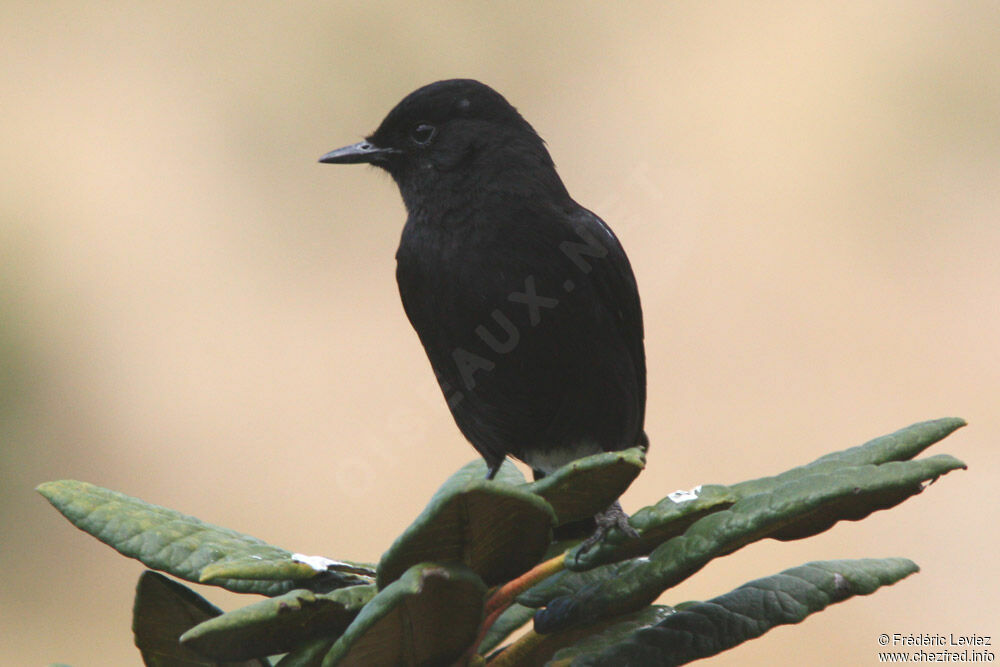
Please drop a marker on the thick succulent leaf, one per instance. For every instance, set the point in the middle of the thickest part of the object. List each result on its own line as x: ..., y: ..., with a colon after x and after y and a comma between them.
x: 256, y: 569
x: 163, y: 610
x: 496, y: 529
x: 901, y: 445
x: 702, y: 629
x: 656, y: 524
x: 282, y: 568
x: 477, y: 470
x: 513, y: 618
x: 164, y: 539
x: 309, y: 654
x: 507, y: 474
x: 535, y: 649
x: 583, y: 488
x: 881, y: 487
x: 279, y: 624
x: 429, y: 616
x: 569, y: 582
x: 798, y: 507
x: 669, y: 517
x: 609, y: 634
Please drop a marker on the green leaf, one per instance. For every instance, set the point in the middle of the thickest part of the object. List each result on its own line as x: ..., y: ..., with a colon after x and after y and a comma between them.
x: 513, y: 618
x: 656, y: 524
x: 163, y: 610
x: 601, y: 635
x: 901, y: 445
x: 702, y: 629
x: 507, y: 474
x: 281, y: 568
x: 279, y: 624
x: 164, y: 539
x: 801, y: 506
x: 666, y: 519
x: 496, y: 529
x: 568, y: 582
x: 881, y: 487
x: 429, y: 616
x: 308, y: 654
x: 537, y: 649
x: 584, y: 487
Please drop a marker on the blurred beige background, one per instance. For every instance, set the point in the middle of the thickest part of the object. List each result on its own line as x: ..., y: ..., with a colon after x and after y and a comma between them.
x: 195, y: 312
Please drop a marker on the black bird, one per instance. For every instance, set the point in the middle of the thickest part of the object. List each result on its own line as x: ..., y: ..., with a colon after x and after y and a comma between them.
x: 525, y: 301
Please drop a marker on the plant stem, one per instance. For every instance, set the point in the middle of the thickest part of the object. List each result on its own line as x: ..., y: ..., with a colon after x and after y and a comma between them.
x: 513, y: 654
x: 504, y: 596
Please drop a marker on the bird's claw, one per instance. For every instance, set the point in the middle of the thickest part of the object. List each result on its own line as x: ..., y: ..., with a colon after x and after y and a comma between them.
x: 613, y: 517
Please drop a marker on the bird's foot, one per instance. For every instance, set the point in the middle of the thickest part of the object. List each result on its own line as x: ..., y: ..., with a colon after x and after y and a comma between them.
x: 613, y: 517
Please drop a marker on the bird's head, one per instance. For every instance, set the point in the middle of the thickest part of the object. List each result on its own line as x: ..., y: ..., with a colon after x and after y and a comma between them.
x: 444, y: 134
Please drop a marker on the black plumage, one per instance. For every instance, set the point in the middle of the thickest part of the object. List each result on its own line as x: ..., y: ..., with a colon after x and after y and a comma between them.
x: 525, y: 301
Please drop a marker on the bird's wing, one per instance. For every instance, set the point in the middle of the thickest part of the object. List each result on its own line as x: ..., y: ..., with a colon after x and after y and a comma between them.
x: 616, y: 284
x: 559, y: 279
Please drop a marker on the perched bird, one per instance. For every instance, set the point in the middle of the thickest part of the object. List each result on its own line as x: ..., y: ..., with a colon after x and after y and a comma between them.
x: 524, y: 300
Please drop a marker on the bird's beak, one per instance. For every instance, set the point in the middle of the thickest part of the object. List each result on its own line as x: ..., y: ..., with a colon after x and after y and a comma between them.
x: 363, y: 151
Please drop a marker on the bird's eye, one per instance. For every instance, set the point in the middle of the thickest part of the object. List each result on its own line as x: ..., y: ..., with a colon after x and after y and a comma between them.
x: 422, y: 134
